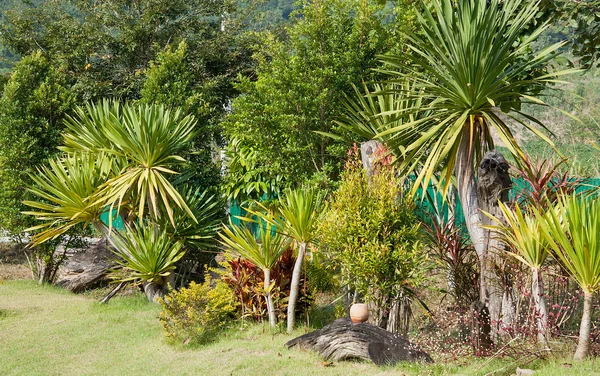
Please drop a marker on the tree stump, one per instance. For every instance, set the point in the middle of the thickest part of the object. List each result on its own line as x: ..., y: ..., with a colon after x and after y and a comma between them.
x: 343, y: 340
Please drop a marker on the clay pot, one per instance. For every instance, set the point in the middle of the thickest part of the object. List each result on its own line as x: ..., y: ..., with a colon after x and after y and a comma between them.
x: 359, y: 312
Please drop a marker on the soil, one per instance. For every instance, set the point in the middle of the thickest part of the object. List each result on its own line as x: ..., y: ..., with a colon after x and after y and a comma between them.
x: 13, y: 262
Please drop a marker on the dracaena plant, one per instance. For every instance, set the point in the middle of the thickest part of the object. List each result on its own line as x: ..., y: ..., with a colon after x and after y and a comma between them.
x: 64, y: 188
x: 126, y: 159
x: 263, y: 252
x: 523, y: 234
x: 296, y: 214
x: 572, y: 230
x: 148, y: 139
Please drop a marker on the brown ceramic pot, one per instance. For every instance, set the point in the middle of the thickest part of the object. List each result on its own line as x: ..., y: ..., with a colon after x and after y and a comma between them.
x: 359, y: 312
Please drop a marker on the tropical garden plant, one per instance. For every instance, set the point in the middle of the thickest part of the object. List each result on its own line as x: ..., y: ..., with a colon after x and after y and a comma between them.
x: 263, y: 252
x: 571, y: 229
x: 296, y: 214
x: 523, y: 233
x: 128, y: 160
x: 148, y: 256
x: 470, y: 62
x: 370, y: 235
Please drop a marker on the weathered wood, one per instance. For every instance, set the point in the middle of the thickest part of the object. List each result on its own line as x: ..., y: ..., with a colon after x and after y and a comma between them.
x: 343, y: 340
x: 496, y: 288
x: 113, y: 292
x: 367, y: 155
x: 85, y: 267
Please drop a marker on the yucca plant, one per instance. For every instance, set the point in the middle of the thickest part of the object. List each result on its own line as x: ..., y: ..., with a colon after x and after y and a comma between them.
x: 148, y: 257
x: 64, y: 188
x: 297, y: 213
x: 263, y: 252
x: 523, y: 233
x: 148, y: 139
x: 125, y: 159
x: 572, y: 230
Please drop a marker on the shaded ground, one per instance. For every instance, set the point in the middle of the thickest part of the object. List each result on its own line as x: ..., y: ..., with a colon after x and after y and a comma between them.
x: 13, y: 262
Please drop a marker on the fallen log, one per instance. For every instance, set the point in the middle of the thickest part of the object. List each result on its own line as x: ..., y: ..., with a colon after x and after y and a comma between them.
x: 344, y: 340
x: 85, y: 267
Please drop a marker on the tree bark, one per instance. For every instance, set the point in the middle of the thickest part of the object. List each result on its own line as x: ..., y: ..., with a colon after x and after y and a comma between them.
x: 537, y: 291
x: 153, y: 291
x: 467, y: 194
x: 269, y: 298
x: 295, y: 288
x: 492, y: 187
x: 367, y: 151
x: 583, y: 346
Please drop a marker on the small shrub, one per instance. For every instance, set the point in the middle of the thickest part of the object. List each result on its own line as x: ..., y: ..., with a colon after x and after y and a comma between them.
x: 197, y: 313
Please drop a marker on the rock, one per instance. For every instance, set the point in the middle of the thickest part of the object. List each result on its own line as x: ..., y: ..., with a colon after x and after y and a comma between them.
x: 343, y: 340
x: 524, y: 372
x: 84, y: 267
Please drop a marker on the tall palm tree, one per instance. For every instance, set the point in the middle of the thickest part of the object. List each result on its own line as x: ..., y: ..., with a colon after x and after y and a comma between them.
x: 523, y: 233
x: 470, y: 61
x: 572, y: 230
x: 264, y: 252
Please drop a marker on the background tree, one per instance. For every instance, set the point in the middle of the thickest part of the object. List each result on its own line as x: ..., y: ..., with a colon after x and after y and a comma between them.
x: 300, y: 83
x: 106, y: 46
x: 32, y: 107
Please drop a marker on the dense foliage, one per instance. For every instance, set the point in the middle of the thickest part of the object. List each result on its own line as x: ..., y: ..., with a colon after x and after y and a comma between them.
x: 196, y: 314
x: 370, y: 236
x: 300, y: 84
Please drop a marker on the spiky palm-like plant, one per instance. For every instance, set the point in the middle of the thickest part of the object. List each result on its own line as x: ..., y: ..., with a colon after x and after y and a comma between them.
x: 148, y: 256
x: 296, y: 214
x: 522, y: 232
x: 64, y: 188
x: 572, y: 230
x: 123, y: 158
x: 470, y: 61
x: 263, y: 252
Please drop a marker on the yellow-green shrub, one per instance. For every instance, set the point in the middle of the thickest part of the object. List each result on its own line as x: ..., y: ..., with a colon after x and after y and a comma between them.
x: 198, y: 312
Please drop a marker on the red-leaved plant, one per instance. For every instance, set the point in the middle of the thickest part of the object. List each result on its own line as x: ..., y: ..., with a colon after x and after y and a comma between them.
x: 246, y: 281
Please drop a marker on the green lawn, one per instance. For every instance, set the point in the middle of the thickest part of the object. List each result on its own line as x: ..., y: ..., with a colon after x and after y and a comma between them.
x: 47, y: 331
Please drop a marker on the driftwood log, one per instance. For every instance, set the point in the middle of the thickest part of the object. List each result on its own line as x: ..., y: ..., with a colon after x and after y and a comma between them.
x: 344, y: 340
x: 85, y: 267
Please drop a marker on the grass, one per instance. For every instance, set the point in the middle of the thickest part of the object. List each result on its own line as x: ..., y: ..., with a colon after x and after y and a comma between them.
x: 48, y: 331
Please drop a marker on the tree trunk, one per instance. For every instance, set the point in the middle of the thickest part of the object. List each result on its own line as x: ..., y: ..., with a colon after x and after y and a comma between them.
x: 537, y: 291
x: 295, y: 288
x: 493, y: 186
x: 467, y: 194
x: 153, y: 291
x: 583, y: 347
x: 367, y: 154
x: 269, y: 298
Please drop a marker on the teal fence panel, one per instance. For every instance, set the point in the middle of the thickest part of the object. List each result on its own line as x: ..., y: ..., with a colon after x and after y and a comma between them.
x: 432, y: 204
